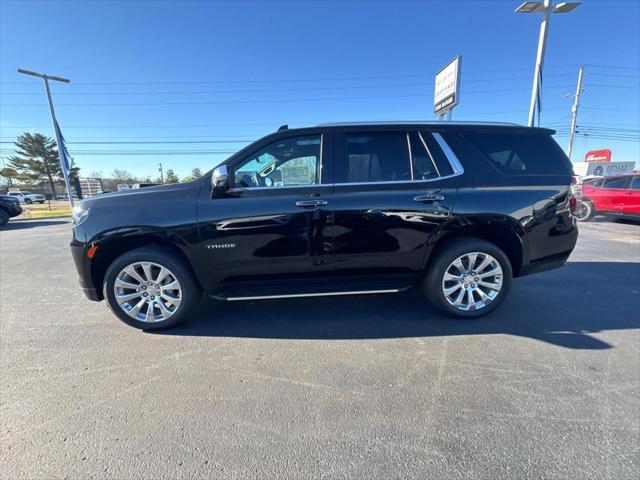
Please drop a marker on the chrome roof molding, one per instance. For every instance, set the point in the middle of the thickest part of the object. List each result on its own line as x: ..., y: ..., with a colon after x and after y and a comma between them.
x: 417, y: 122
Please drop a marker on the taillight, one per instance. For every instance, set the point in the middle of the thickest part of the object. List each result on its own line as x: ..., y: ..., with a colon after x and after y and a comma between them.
x: 573, y: 203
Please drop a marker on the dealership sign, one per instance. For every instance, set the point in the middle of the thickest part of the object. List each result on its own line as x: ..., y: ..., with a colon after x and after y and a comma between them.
x: 606, y: 169
x: 598, y: 156
x: 447, y: 91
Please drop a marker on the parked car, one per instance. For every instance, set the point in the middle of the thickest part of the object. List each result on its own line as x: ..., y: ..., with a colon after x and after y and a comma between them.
x: 27, y: 197
x: 9, y: 208
x: 456, y: 210
x: 617, y: 196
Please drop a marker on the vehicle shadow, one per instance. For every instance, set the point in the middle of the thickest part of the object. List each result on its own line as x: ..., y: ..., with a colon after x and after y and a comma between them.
x: 562, y: 307
x: 24, y: 224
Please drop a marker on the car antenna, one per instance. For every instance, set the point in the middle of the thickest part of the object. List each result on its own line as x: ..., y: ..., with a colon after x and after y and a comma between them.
x: 283, y: 127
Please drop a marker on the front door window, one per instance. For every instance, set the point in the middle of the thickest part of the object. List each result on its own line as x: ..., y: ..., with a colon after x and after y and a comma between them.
x: 290, y: 162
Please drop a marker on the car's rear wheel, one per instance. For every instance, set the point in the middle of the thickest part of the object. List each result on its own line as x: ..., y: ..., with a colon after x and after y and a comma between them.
x: 468, y: 278
x: 584, y: 211
x: 151, y: 288
x: 4, y: 217
x: 28, y: 201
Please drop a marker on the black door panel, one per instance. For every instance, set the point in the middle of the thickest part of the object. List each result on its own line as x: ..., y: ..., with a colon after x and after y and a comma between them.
x: 387, y: 230
x: 262, y: 233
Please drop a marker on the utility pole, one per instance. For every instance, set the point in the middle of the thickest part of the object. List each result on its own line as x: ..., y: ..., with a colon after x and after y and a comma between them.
x: 46, y: 79
x: 574, y: 111
x: 161, y: 173
x: 546, y: 8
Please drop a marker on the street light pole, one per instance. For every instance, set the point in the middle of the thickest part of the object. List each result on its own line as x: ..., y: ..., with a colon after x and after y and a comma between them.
x: 574, y: 112
x: 161, y: 173
x: 46, y: 79
x: 537, y: 72
x: 546, y: 8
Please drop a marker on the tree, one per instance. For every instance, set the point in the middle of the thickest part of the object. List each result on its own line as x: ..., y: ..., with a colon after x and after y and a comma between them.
x: 195, y: 173
x: 36, y: 159
x: 171, y: 177
x: 122, y: 176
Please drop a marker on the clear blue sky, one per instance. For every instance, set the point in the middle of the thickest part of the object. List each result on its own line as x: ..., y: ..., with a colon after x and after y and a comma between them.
x: 218, y: 71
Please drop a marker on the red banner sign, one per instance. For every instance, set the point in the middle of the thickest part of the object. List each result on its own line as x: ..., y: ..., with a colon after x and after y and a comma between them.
x: 598, y: 156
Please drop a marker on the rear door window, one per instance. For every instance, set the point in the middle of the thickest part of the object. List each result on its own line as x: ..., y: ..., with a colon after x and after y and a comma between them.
x: 374, y: 157
x: 520, y: 153
x: 635, y: 183
x: 616, y: 182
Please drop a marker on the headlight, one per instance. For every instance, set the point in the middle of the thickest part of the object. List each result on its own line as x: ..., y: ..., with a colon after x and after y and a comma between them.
x: 79, y: 214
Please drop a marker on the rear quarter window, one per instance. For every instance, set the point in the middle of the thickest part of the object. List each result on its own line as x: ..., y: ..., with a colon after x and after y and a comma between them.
x: 518, y: 153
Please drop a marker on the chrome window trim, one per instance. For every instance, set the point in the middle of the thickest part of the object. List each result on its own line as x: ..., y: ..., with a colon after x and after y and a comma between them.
x: 313, y: 185
x: 321, y: 159
x: 456, y: 166
x: 410, y: 156
x: 451, y: 157
x: 433, y: 161
x: 397, y: 182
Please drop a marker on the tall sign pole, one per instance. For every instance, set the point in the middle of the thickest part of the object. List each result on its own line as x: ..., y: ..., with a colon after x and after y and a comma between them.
x: 537, y: 72
x: 574, y: 112
x: 545, y: 7
x: 63, y: 168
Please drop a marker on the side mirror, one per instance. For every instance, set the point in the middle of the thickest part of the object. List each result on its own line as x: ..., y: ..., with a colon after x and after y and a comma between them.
x: 220, y: 179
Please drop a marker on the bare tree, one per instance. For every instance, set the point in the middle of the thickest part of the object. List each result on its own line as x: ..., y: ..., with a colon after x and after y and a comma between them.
x: 122, y: 176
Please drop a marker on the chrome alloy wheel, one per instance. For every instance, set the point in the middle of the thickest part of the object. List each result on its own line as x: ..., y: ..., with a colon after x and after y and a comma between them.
x: 472, y: 281
x: 147, y: 292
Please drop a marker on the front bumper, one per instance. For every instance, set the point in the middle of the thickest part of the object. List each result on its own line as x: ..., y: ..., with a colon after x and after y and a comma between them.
x: 91, y: 294
x: 79, y: 245
x: 14, y: 210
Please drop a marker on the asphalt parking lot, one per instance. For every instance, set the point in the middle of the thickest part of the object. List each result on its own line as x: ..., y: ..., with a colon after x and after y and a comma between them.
x: 546, y: 387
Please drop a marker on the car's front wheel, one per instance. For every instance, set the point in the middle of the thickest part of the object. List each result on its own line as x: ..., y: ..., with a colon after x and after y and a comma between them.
x: 584, y: 211
x: 4, y: 217
x: 468, y: 278
x: 151, y: 288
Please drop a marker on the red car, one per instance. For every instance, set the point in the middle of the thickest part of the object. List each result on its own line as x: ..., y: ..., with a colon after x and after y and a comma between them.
x: 619, y: 196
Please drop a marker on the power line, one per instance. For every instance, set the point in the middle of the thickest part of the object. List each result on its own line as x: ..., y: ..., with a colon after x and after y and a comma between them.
x: 317, y: 79
x: 261, y: 101
x: 289, y: 89
x: 611, y: 66
x: 619, y: 75
x: 149, y: 142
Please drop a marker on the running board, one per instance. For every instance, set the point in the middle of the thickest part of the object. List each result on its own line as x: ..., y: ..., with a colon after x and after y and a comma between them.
x: 306, y: 295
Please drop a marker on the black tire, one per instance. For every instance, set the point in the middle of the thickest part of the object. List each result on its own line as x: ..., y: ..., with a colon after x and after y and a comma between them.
x: 432, y: 284
x: 584, y: 211
x: 164, y: 257
x: 28, y: 201
x: 4, y: 217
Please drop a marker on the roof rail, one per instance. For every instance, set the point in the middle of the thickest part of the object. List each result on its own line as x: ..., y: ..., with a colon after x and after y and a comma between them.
x: 418, y: 122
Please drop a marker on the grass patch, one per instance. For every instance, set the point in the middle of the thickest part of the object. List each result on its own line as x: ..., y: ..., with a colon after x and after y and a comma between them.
x: 43, y: 211
x: 47, y: 213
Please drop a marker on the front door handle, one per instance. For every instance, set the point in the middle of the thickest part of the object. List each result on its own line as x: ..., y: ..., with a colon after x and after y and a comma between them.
x: 311, y: 203
x: 429, y: 197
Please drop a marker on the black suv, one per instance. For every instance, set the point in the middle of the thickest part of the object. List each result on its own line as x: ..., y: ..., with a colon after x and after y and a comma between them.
x: 9, y: 208
x: 455, y: 209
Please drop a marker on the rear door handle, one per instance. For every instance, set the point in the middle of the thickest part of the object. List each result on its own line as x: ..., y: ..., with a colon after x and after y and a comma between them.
x: 311, y: 203
x: 429, y: 197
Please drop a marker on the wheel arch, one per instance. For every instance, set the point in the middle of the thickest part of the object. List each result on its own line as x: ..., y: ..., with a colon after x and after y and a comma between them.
x: 503, y: 232
x: 111, y: 247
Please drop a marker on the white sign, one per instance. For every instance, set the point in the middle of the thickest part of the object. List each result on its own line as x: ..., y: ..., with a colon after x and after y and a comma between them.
x: 447, y: 91
x: 606, y: 169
